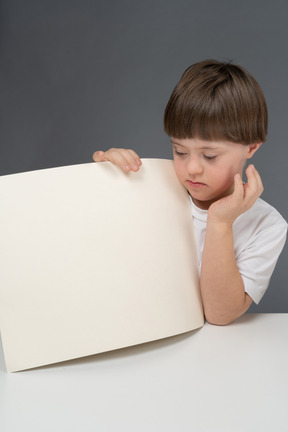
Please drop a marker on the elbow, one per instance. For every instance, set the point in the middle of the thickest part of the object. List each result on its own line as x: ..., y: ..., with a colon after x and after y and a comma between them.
x: 219, y: 319
x: 222, y: 316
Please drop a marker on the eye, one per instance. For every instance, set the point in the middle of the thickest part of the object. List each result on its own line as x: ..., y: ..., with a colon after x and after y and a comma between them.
x: 209, y: 158
x: 178, y: 153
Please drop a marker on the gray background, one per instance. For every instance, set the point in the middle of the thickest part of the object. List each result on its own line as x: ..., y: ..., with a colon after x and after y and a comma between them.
x: 80, y: 75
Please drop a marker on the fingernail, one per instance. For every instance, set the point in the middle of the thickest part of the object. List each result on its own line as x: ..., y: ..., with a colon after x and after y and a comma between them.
x: 127, y: 167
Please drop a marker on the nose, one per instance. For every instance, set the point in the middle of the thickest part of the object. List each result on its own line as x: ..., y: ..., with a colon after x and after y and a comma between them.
x: 194, y: 166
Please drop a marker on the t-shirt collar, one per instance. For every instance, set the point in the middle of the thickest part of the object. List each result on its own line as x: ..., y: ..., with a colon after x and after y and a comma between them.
x: 197, y: 212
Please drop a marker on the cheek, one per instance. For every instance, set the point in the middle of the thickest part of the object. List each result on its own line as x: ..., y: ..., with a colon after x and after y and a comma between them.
x: 224, y: 176
x: 228, y: 169
x: 178, y: 168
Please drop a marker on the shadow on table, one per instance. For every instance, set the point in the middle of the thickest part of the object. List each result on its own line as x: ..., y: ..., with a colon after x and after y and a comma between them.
x: 129, y: 351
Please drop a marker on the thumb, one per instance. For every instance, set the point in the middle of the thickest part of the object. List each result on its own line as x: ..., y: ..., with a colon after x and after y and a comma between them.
x: 99, y: 156
x: 238, y: 187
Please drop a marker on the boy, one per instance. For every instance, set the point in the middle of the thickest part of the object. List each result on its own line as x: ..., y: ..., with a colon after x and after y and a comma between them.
x: 217, y: 119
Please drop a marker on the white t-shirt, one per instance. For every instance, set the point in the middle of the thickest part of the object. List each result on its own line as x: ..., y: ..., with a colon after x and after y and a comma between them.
x: 259, y: 237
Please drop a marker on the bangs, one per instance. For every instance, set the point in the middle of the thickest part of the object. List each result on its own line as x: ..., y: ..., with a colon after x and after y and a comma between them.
x: 197, y: 122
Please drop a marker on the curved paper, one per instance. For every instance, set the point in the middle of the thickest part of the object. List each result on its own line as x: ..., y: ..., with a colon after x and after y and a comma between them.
x: 93, y: 259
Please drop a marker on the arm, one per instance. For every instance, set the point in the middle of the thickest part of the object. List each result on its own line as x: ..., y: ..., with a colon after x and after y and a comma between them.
x: 222, y: 288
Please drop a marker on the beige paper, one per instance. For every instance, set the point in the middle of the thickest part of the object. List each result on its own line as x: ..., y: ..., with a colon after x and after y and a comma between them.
x: 93, y: 259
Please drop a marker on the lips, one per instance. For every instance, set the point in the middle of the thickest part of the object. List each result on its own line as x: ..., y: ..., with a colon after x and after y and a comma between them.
x: 195, y: 185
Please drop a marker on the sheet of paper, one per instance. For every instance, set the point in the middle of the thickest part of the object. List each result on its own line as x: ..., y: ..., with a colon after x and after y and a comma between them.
x: 93, y: 259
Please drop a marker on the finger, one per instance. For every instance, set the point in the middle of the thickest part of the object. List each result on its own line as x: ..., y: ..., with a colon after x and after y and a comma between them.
x: 254, y: 182
x: 238, y: 192
x: 136, y: 159
x: 132, y: 159
x: 115, y: 156
x: 124, y: 158
x: 99, y: 156
x: 253, y: 188
x: 258, y: 179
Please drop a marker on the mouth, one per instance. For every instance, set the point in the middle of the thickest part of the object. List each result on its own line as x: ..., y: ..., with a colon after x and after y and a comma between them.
x: 195, y: 185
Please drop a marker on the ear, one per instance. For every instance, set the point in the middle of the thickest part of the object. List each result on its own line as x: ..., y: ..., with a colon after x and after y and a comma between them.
x: 251, y: 149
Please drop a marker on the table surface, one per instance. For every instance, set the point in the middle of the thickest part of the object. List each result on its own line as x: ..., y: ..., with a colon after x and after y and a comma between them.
x: 231, y: 378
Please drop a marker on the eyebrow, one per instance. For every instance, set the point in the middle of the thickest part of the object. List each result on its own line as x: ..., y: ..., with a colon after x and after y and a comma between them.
x: 173, y: 142
x: 201, y: 148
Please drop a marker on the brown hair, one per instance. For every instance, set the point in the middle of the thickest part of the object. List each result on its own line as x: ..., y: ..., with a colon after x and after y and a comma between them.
x: 217, y: 101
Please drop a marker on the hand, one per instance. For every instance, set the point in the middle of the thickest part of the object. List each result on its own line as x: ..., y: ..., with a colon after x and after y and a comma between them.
x: 125, y: 159
x: 227, y: 209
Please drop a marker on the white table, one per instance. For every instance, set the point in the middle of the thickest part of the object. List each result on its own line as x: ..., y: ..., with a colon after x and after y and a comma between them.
x: 231, y: 378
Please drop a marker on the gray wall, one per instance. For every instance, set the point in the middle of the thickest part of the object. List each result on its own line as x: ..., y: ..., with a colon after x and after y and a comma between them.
x: 80, y: 75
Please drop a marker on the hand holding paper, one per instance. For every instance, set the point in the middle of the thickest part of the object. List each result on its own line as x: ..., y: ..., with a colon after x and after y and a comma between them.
x: 125, y: 159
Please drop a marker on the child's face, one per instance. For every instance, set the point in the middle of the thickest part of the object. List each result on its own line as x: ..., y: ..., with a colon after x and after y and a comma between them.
x: 207, y: 168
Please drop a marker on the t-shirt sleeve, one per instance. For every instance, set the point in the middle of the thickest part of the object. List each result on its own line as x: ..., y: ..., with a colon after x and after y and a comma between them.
x: 257, y: 262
